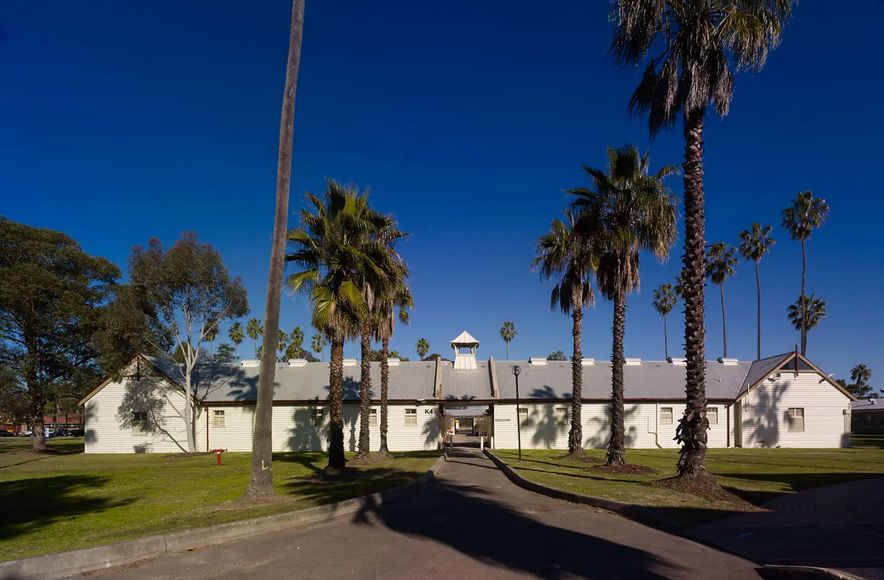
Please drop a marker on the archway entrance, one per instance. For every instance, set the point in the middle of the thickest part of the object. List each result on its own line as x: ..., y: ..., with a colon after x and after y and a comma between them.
x: 465, y: 425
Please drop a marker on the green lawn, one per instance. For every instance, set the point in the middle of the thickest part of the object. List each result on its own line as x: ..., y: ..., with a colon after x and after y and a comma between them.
x: 754, y: 475
x: 64, y: 500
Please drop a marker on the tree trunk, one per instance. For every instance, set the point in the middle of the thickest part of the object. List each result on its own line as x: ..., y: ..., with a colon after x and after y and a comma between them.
x: 364, y: 395
x: 758, y: 311
x: 38, y: 431
x: 385, y: 382
x: 261, y: 483
x: 575, y: 435
x: 336, y: 460
x: 723, y: 322
x: 665, y: 339
x: 617, y: 444
x: 691, y: 431
x: 506, y: 344
x: 188, y: 411
x: 803, y: 298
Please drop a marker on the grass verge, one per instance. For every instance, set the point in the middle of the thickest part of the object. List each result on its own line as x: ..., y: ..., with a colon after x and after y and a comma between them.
x: 752, y: 476
x: 66, y: 500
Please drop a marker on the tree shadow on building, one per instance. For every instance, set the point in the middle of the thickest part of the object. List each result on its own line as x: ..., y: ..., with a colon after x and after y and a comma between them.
x: 763, y: 427
x: 549, y: 421
x: 602, y: 426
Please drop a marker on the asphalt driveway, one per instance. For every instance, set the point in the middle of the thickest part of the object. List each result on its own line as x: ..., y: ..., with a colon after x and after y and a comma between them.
x: 470, y: 521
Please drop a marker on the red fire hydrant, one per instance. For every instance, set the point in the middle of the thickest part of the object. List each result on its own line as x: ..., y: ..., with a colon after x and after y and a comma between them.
x: 218, y: 453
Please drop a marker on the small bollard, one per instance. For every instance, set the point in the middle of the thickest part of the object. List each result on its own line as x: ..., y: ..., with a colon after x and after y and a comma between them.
x: 218, y: 453
x: 481, y: 443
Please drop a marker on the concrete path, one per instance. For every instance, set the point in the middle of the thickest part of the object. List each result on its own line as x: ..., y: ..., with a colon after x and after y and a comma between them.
x: 470, y: 522
x: 839, y: 526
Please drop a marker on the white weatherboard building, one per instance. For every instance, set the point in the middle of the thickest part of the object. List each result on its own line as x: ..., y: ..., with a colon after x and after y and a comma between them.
x: 782, y: 400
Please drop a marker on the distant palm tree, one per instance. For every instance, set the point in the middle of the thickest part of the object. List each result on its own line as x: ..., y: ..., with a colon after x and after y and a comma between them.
x: 317, y: 345
x: 861, y: 374
x: 806, y: 313
x: 806, y: 214
x: 331, y: 248
x: 296, y: 339
x: 255, y: 330
x: 235, y: 333
x: 754, y: 245
x: 570, y: 258
x: 282, y: 343
x: 508, y: 333
x: 721, y: 262
x: 697, y: 47
x: 626, y: 210
x: 665, y: 299
x: 422, y: 347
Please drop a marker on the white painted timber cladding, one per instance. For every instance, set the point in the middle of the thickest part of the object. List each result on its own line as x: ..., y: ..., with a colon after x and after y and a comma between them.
x: 105, y: 435
x: 547, y: 426
x: 294, y: 428
x: 765, y: 407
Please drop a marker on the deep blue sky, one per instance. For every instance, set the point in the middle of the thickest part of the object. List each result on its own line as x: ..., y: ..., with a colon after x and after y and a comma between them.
x: 126, y: 120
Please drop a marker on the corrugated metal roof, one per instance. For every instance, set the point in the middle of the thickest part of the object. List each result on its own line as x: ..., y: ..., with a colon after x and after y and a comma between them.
x: 761, y: 369
x: 866, y: 405
x: 648, y: 380
x: 465, y: 384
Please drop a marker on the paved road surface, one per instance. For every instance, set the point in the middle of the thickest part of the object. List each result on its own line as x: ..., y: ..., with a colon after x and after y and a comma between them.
x: 470, y: 522
x: 838, y: 525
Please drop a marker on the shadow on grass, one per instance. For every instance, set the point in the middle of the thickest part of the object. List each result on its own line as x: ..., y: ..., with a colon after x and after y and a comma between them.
x: 796, y: 481
x: 28, y: 505
x: 520, y: 543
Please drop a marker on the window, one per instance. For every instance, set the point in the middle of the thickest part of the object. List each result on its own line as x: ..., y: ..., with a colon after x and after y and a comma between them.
x: 795, y: 416
x: 373, y: 418
x: 217, y: 418
x: 523, y: 416
x: 712, y: 415
x: 411, y: 416
x: 139, y: 422
x: 666, y: 415
x: 561, y: 415
x: 318, y: 415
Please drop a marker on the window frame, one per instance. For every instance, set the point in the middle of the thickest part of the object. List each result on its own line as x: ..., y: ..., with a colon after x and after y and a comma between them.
x: 318, y: 417
x: 219, y: 414
x: 410, y: 418
x: 138, y: 425
x: 373, y: 417
x: 671, y: 411
x: 792, y: 417
x: 715, y: 411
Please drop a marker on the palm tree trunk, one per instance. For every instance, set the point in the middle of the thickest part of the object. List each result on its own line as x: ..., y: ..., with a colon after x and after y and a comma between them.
x: 507, y: 346
x: 617, y: 444
x: 575, y: 436
x: 336, y: 460
x: 261, y: 483
x: 723, y: 322
x: 665, y: 338
x: 691, y: 432
x: 758, y: 311
x: 364, y: 395
x: 803, y: 298
x: 385, y: 381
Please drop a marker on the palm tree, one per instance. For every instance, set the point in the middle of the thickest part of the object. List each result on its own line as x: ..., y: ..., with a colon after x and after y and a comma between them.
x: 261, y: 484
x: 317, y: 345
x: 296, y: 339
x: 806, y: 214
x: 626, y: 210
x: 570, y: 258
x: 665, y: 299
x: 861, y: 374
x: 255, y: 330
x: 394, y: 304
x: 331, y: 249
x: 423, y: 347
x: 805, y: 314
x: 379, y: 284
x: 282, y: 343
x: 508, y: 333
x: 235, y: 334
x: 721, y: 261
x: 699, y: 44
x: 754, y: 245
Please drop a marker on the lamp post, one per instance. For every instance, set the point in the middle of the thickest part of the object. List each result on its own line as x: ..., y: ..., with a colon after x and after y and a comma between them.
x: 517, y: 370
